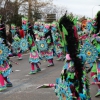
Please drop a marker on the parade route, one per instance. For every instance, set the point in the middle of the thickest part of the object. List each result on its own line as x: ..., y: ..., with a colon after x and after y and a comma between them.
x: 25, y: 85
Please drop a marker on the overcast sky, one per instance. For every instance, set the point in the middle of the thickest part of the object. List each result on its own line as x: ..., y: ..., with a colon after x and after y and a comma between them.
x: 89, y: 8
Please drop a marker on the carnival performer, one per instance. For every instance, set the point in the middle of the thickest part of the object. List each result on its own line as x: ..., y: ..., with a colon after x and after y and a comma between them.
x: 6, y: 78
x: 49, y: 52
x: 95, y: 74
x: 5, y: 70
x: 17, y: 50
x: 54, y: 31
x: 35, y: 30
x: 49, y: 40
x: 34, y: 59
x: 41, y: 44
x: 73, y: 84
x: 25, y: 25
x: 5, y: 66
x: 13, y: 30
x: 58, y: 48
x: 95, y: 70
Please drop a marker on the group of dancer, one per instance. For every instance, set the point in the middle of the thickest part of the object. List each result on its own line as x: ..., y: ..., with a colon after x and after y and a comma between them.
x: 83, y: 49
x: 81, y: 45
x: 66, y: 39
x: 41, y: 40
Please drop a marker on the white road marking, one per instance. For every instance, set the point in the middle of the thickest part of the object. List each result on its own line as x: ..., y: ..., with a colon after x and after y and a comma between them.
x: 27, y: 75
x: 17, y: 70
x: 43, y: 69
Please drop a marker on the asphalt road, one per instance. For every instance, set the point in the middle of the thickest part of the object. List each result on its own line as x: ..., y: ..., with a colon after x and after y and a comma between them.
x: 25, y: 85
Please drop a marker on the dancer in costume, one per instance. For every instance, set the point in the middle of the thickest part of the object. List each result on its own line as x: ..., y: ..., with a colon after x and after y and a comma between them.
x: 58, y: 46
x: 5, y: 66
x: 25, y: 25
x: 95, y: 70
x: 23, y: 46
x: 34, y: 59
x: 54, y: 31
x: 41, y: 44
x: 20, y: 43
x: 35, y: 30
x: 93, y: 52
x: 16, y: 47
x: 13, y: 30
x: 49, y: 40
x: 57, y: 50
x: 15, y: 34
x: 49, y: 52
x: 73, y: 84
x: 45, y: 45
x: 95, y: 74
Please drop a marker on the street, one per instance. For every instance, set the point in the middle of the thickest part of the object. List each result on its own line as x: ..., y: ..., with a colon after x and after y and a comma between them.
x: 25, y: 85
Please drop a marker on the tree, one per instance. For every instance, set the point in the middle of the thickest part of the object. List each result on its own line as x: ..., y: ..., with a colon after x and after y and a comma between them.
x: 9, y: 9
x: 53, y: 9
x: 34, y: 8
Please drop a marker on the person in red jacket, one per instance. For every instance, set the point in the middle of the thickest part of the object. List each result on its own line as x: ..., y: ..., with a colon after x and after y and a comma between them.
x: 21, y: 33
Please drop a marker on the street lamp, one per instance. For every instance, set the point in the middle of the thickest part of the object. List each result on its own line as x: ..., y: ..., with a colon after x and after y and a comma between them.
x: 92, y: 10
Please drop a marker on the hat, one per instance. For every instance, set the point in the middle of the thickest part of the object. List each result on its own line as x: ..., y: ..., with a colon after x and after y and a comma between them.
x: 68, y: 57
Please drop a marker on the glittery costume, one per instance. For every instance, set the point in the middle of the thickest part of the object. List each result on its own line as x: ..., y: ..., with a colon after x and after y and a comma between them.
x: 73, y: 84
x: 5, y: 66
x: 58, y: 49
x: 34, y: 59
x: 49, y: 40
